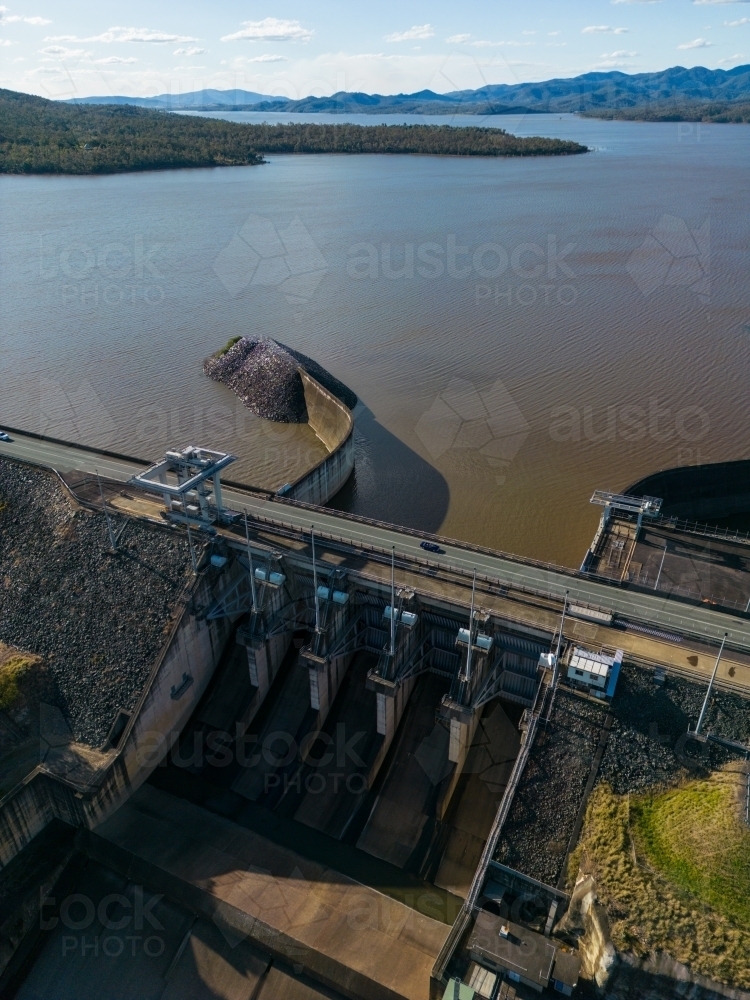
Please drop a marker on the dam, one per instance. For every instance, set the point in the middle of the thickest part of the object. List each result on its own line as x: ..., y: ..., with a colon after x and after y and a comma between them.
x: 323, y: 777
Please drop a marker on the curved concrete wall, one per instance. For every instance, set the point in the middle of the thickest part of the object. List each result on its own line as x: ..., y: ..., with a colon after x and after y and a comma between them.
x: 697, y: 492
x: 334, y: 426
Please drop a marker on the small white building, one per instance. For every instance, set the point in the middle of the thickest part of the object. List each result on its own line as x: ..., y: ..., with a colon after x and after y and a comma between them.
x: 596, y: 671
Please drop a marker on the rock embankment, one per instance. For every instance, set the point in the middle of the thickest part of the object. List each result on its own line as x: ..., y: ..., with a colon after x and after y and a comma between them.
x: 265, y: 375
x: 97, y: 620
x: 543, y: 814
x: 648, y: 745
x: 647, y: 748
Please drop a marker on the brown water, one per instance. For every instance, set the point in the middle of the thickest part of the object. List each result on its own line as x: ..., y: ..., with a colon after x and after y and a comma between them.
x: 500, y: 386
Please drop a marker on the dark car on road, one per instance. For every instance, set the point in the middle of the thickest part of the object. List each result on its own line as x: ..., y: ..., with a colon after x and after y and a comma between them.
x: 431, y: 547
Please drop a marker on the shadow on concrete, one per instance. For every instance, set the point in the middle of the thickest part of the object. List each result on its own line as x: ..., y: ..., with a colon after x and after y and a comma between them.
x: 658, y: 978
x: 391, y: 482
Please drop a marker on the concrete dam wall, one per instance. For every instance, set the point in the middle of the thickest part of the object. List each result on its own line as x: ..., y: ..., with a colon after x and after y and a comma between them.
x: 81, y: 785
x: 698, y: 492
x: 334, y: 426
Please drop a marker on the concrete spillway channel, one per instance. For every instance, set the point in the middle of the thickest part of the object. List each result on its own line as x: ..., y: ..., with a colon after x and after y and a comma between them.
x: 324, y: 756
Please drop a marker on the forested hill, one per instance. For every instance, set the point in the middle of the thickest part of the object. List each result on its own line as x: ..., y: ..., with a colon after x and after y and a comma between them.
x: 41, y: 136
x: 439, y: 140
x: 710, y: 111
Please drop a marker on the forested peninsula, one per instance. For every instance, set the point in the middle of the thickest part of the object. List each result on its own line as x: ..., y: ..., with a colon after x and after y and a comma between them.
x: 38, y: 136
x: 719, y: 112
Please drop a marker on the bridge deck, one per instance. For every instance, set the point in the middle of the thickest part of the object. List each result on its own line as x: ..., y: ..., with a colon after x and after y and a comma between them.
x: 705, y: 624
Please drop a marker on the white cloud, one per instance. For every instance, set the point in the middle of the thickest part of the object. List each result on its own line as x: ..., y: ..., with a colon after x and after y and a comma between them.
x: 416, y: 31
x: 271, y: 29
x: 737, y: 24
x: 6, y: 41
x: 267, y: 57
x: 192, y: 51
x: 697, y: 43
x: 620, y: 54
x: 552, y: 34
x: 18, y: 18
x: 125, y: 35
x: 496, y: 45
x: 60, y: 52
x: 737, y: 57
x: 115, y: 61
x: 458, y: 39
x: 603, y: 29
x: 528, y: 32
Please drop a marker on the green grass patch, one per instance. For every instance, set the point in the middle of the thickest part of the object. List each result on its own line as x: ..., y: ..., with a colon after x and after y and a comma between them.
x: 672, y: 870
x: 694, y: 837
x: 10, y: 674
x: 228, y: 346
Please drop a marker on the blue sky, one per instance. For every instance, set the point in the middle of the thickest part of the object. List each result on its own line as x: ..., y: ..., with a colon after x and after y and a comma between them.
x: 295, y: 49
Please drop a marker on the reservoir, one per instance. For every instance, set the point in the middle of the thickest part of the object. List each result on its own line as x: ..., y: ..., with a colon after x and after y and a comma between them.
x: 519, y: 332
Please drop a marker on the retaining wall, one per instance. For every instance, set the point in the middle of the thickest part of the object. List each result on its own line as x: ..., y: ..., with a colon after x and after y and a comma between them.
x: 334, y: 426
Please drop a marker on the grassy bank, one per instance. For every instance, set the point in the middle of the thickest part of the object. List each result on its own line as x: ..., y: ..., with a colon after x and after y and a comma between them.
x: 13, y: 668
x: 40, y: 136
x: 692, y: 836
x: 673, y: 870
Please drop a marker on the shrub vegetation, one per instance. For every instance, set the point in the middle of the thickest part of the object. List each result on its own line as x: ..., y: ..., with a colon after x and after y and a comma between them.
x: 673, y: 870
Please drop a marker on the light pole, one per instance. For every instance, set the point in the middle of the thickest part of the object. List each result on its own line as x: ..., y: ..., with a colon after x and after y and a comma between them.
x: 250, y: 562
x: 112, y: 539
x: 710, y: 685
x: 661, y: 564
x: 315, y: 579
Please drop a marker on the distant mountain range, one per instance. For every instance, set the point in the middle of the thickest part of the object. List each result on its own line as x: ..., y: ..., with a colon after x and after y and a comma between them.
x: 587, y: 93
x: 196, y: 99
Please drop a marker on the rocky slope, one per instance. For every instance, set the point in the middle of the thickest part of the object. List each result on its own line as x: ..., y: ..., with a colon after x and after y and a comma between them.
x: 265, y: 375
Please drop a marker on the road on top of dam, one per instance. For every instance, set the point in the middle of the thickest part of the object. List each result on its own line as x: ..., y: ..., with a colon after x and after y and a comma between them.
x: 658, y: 610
